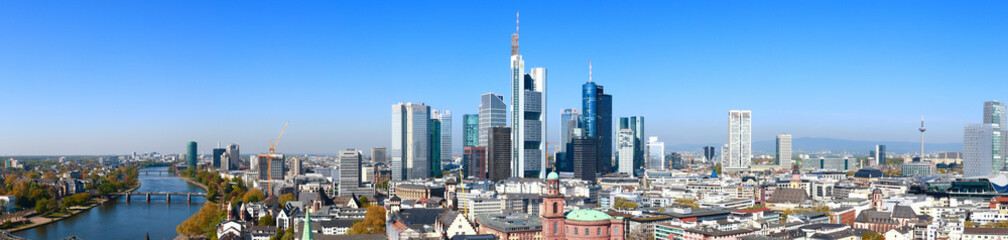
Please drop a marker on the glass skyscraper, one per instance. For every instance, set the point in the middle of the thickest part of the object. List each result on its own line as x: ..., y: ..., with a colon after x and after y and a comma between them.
x: 994, y: 113
x: 492, y: 113
x: 597, y: 121
x: 470, y: 130
x: 434, y: 161
x: 410, y: 141
x: 739, y: 155
x: 978, y: 154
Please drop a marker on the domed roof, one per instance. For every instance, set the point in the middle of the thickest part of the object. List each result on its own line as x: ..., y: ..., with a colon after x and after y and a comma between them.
x: 588, y: 215
x: 552, y: 175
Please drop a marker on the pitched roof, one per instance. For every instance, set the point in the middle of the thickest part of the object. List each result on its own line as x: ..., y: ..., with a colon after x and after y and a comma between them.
x: 986, y: 231
x: 788, y: 195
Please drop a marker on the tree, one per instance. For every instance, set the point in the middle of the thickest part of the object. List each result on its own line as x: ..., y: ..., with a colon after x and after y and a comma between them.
x: 364, y: 202
x: 687, y: 202
x: 49, y: 175
x: 872, y: 236
x: 267, y: 220
x: 284, y: 198
x: 202, y: 222
x: 42, y: 206
x: 373, y: 223
x: 717, y: 169
x: 969, y: 224
x: 623, y: 203
x: 253, y: 195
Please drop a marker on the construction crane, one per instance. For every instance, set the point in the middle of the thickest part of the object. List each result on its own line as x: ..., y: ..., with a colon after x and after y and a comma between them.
x: 464, y: 208
x: 269, y: 159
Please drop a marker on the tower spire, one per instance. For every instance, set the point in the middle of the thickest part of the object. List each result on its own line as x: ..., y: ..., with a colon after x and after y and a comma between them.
x: 514, y: 38
x: 589, y: 72
x: 516, y: 21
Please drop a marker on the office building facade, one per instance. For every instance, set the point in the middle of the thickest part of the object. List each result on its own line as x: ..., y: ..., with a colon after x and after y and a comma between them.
x: 978, y: 152
x: 635, y: 143
x: 474, y: 162
x: 596, y: 107
x: 492, y: 113
x: 434, y: 142
x: 655, y: 154
x: 218, y: 154
x: 499, y: 153
x: 709, y: 153
x: 379, y: 155
x: 880, y: 155
x: 570, y: 120
x: 994, y: 113
x: 470, y: 130
x: 783, y: 152
x: 446, y: 135
x: 350, y: 172
x: 192, y: 158
x: 584, y: 152
x: 232, y: 158
x: 529, y: 125
x: 410, y: 153
x: 625, y: 151
x: 739, y: 155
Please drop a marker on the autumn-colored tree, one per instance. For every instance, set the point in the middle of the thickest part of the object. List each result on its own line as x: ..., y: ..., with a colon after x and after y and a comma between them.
x: 364, y: 201
x: 202, y: 222
x: 872, y: 236
x: 284, y: 198
x: 687, y: 202
x: 623, y: 203
x: 253, y: 195
x: 49, y: 175
x: 373, y: 223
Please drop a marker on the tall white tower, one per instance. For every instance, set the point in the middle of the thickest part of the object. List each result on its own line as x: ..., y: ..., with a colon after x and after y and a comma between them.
x: 528, y: 102
x: 739, y: 156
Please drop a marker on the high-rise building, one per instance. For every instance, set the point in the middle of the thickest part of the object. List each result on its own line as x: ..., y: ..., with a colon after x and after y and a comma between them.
x: 434, y: 161
x: 470, y: 130
x: 378, y: 155
x: 350, y: 172
x: 596, y: 107
x: 218, y: 153
x: 410, y: 141
x: 784, y: 150
x: 271, y: 166
x: 655, y: 154
x: 446, y: 136
x: 474, y: 162
x: 739, y: 155
x: 499, y: 153
x: 635, y: 143
x: 994, y: 113
x: 584, y: 151
x: 569, y: 121
x: 708, y: 153
x: 880, y: 155
x: 191, y: 156
x: 233, y: 157
x: 492, y: 113
x: 297, y: 167
x: 625, y: 151
x: 528, y: 123
x: 978, y: 155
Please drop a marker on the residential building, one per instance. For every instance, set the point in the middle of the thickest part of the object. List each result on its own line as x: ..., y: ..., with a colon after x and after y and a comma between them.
x: 410, y: 141
x: 981, y: 233
x: 492, y: 113
x: 784, y: 150
x: 739, y: 155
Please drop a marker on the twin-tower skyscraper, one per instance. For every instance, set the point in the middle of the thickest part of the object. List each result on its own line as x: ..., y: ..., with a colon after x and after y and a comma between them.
x: 528, y: 121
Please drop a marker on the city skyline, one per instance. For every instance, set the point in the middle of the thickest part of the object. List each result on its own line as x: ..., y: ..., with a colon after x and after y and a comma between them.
x: 77, y: 86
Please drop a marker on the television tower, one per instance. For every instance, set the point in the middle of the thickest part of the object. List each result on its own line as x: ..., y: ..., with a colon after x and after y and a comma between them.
x: 922, y: 129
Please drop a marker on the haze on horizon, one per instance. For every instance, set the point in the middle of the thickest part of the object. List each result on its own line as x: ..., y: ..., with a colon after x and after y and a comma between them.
x: 116, y: 77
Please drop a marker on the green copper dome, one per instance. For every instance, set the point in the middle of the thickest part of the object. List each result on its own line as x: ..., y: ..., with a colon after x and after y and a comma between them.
x: 552, y: 175
x: 588, y: 215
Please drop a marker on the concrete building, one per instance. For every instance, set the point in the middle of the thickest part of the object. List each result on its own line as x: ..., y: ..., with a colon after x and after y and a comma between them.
x: 739, y: 155
x: 410, y: 141
x: 492, y: 113
x: 978, y: 155
x: 350, y: 172
x: 784, y: 150
x: 625, y: 151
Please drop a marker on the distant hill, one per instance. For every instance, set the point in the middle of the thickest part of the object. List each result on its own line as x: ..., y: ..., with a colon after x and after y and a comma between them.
x: 808, y: 144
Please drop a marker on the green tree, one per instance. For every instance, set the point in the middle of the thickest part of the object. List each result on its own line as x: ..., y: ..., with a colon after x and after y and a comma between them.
x: 717, y: 169
x: 267, y: 220
x: 202, y: 222
x: 687, y: 202
x: 872, y: 236
x: 623, y: 203
x: 42, y: 206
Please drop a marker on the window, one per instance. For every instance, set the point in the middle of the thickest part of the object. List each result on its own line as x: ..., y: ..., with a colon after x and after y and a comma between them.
x: 587, y: 232
x: 598, y: 231
x: 575, y: 231
x: 555, y: 205
x: 555, y: 227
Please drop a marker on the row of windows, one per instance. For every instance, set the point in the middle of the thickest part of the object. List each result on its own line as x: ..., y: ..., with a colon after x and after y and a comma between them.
x: 587, y: 231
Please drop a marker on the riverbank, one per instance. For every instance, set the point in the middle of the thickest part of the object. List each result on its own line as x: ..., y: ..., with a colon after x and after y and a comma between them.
x: 204, y: 187
x: 37, y: 221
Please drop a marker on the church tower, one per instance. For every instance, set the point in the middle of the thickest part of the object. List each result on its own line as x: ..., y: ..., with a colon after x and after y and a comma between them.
x: 552, y: 211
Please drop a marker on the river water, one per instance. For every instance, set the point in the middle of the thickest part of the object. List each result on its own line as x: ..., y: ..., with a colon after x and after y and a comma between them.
x: 118, y: 219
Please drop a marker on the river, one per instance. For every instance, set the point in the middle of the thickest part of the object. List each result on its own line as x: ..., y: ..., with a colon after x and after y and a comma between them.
x: 118, y: 219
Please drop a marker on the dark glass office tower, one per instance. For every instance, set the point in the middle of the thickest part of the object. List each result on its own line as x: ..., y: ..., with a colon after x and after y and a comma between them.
x: 597, y: 121
x: 434, y: 161
x: 585, y: 158
x: 499, y: 153
x: 191, y: 156
x: 217, y: 154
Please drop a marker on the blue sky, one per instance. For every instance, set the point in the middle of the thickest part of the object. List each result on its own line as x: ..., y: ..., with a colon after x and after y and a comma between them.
x: 102, y: 77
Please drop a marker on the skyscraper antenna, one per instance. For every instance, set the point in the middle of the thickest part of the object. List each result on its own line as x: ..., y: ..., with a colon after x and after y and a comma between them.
x: 516, y: 21
x: 589, y: 72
